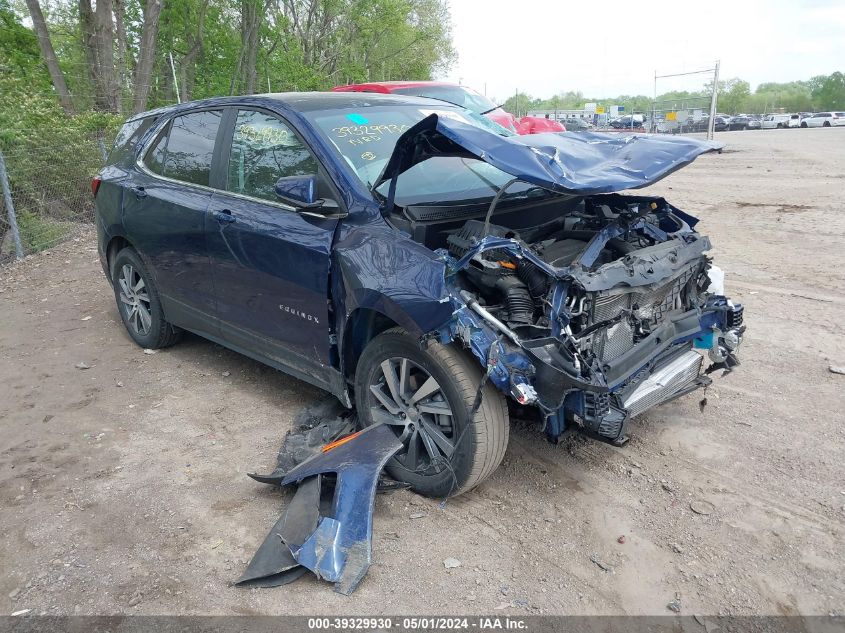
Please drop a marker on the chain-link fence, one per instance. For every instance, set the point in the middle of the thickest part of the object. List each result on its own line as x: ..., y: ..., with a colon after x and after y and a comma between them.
x: 679, y: 116
x: 46, y: 195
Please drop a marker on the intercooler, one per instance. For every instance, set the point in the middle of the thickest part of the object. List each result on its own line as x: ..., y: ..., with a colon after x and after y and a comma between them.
x: 662, y: 383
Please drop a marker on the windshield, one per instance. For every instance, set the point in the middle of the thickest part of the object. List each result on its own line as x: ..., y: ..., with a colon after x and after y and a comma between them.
x: 460, y: 96
x: 366, y: 140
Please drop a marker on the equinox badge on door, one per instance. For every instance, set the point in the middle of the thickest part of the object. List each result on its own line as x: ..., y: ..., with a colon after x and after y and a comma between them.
x: 295, y: 312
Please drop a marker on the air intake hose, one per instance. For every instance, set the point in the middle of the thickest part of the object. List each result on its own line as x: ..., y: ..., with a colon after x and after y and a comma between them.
x: 536, y: 280
x: 518, y: 301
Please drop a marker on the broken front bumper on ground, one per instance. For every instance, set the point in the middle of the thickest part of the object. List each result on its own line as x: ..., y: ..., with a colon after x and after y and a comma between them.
x: 601, y: 377
x: 328, y: 526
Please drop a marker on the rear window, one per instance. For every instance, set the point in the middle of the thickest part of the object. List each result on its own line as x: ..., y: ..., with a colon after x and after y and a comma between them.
x: 184, y: 150
x: 127, y: 139
x: 840, y: 113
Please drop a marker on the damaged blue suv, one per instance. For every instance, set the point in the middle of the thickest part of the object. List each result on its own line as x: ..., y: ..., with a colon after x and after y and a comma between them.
x: 420, y: 263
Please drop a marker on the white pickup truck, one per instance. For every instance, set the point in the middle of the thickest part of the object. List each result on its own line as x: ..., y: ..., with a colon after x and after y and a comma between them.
x: 776, y: 121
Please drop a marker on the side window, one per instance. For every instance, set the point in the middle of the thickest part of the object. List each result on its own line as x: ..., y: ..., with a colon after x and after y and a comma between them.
x: 265, y: 149
x: 191, y: 145
x: 184, y: 150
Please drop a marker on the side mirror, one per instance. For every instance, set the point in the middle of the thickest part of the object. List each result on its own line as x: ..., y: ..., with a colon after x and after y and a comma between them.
x: 300, y: 191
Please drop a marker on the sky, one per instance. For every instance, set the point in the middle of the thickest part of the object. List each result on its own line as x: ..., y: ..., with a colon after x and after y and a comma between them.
x: 544, y: 47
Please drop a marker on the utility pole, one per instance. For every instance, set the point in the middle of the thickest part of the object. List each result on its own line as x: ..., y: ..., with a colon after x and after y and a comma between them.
x: 175, y: 83
x: 654, y: 106
x: 711, y: 123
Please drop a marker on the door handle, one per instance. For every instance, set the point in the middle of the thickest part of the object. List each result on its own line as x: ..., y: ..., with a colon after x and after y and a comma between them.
x: 224, y: 216
x: 139, y: 192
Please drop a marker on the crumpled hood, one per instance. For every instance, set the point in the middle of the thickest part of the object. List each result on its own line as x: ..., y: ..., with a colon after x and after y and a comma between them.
x: 580, y: 163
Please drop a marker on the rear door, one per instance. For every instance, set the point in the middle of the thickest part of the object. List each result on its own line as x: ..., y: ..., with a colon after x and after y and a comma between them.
x: 165, y: 214
x: 271, y: 260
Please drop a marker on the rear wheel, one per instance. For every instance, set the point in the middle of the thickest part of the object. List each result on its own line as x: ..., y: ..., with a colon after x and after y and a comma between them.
x: 139, y: 304
x: 826, y: 124
x: 803, y: 125
x: 426, y: 396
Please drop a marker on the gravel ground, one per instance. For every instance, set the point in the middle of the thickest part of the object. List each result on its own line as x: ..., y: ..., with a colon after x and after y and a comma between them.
x: 123, y: 485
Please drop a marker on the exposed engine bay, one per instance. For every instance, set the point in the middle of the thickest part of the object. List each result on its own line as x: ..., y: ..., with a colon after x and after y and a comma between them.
x: 593, y: 304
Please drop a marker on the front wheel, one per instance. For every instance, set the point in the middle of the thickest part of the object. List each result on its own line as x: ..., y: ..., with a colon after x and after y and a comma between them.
x: 426, y: 397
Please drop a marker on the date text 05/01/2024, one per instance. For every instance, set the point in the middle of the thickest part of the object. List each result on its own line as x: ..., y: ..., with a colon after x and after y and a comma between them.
x: 480, y: 623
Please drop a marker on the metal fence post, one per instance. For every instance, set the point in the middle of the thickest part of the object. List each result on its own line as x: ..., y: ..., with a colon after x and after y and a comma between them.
x: 10, y: 208
x: 103, y: 150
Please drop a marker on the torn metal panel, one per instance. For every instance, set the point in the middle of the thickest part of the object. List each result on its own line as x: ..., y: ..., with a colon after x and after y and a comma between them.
x: 340, y: 549
x: 274, y: 564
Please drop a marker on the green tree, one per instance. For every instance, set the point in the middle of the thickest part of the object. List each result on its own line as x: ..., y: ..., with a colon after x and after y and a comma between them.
x: 116, y: 54
x: 830, y: 93
x: 520, y: 103
x: 733, y: 94
x: 19, y: 53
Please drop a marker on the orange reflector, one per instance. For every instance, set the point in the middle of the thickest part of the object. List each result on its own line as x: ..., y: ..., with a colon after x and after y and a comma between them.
x: 510, y: 265
x: 342, y: 440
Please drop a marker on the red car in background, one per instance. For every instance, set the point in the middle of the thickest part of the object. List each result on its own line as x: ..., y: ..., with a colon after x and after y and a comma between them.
x: 461, y: 96
x: 537, y: 124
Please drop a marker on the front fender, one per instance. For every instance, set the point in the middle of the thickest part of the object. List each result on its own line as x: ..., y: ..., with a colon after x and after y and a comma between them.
x: 381, y: 270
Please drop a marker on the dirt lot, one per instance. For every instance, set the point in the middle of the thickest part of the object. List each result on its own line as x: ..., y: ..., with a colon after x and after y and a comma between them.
x: 123, y: 486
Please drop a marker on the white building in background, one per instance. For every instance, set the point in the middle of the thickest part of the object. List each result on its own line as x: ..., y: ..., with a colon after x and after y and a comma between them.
x: 560, y: 114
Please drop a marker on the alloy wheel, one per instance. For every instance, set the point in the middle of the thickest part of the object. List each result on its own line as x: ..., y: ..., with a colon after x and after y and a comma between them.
x: 134, y: 300
x: 409, y: 400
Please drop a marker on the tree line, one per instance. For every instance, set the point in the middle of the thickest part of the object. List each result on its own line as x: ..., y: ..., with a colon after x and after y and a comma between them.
x: 122, y: 56
x: 822, y: 92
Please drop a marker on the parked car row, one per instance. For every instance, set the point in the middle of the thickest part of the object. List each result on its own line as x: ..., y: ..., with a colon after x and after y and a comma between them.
x: 786, y: 121
x: 723, y: 122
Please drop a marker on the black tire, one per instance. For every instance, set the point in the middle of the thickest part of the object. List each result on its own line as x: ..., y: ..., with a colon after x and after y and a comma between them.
x: 803, y: 124
x: 158, y: 332
x: 826, y: 124
x: 479, y: 445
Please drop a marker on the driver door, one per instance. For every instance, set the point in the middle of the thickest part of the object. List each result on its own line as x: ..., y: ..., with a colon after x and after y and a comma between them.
x: 270, y: 260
